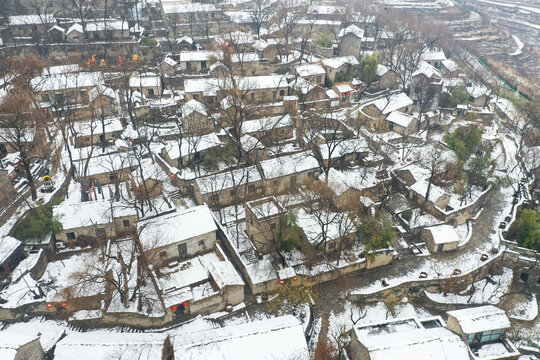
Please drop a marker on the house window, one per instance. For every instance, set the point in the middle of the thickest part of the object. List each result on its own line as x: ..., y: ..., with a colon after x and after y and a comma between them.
x: 163, y: 254
x: 126, y: 223
x: 470, y: 338
x: 112, y: 178
x: 332, y: 245
x: 251, y: 189
x: 214, y: 198
x: 524, y: 277
x: 195, y: 96
x: 233, y: 192
x: 203, y: 64
x: 282, y: 93
x: 252, y: 96
x: 101, y: 233
x: 201, y: 243
x: 440, y: 247
x: 491, y: 335
x: 70, y: 235
x: 188, y: 65
x: 273, y: 226
x: 150, y: 92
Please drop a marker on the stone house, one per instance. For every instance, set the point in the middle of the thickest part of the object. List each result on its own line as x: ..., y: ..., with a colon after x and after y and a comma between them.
x: 339, y: 69
x: 288, y: 173
x: 266, y: 50
x: 426, y: 83
x: 440, y: 238
x: 270, y: 130
x: 383, y: 106
x: 191, y: 148
x: 30, y: 25
x: 108, y: 169
x: 100, y: 219
x: 313, y: 73
x: 148, y: 84
x: 102, y: 345
x: 184, y: 43
x: 264, y: 220
x: 309, y: 94
x: 387, y: 79
x: 56, y: 34
x: 15, y: 346
x: 230, y: 187
x: 195, y: 119
x: 434, y: 57
x: 350, y: 40
x: 191, y: 61
x: 401, y: 123
x: 168, y: 67
x: 179, y: 235
x: 345, y: 91
x: 483, y: 329
x: 89, y: 133
x: 10, y: 254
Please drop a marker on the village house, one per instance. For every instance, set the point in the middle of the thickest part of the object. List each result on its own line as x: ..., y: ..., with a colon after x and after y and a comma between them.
x: 403, y: 124
x: 325, y: 12
x: 426, y: 84
x: 179, y: 154
x: 103, y: 345
x: 148, y: 84
x: 168, y: 67
x: 313, y: 73
x: 184, y: 43
x: 266, y: 50
x: 288, y: 173
x: 339, y: 69
x: 107, y: 169
x: 345, y: 92
x: 483, y: 328
x: 434, y: 57
x: 440, y: 238
x: 92, y: 132
x: 420, y: 339
x: 386, y: 78
x: 350, y: 40
x: 277, y: 338
x: 383, y: 106
x: 10, y: 254
x: 20, y: 347
x: 309, y: 95
x: 229, y: 187
x: 179, y: 235
x: 191, y: 61
x: 270, y: 130
x: 195, y: 119
x: 99, y: 217
x: 30, y: 26
x: 203, y: 284
x: 264, y: 219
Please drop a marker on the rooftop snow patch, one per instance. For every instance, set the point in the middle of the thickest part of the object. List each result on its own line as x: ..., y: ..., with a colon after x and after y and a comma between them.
x: 443, y: 234
x: 269, y: 339
x: 478, y: 319
x: 8, y: 245
x: 176, y: 227
x: 288, y: 165
x: 395, y: 102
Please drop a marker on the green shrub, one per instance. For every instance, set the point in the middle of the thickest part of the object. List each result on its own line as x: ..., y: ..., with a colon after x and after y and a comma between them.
x: 150, y: 42
x: 526, y: 230
x: 323, y: 40
x: 464, y: 141
x: 291, y: 238
x: 407, y: 215
x: 36, y: 224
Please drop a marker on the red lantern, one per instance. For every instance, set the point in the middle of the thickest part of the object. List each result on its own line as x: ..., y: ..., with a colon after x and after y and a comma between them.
x: 131, y: 140
x: 45, y: 110
x: 174, y: 307
x: 50, y: 305
x: 360, y: 86
x: 281, y: 282
x: 64, y: 305
x: 294, y: 278
x: 185, y: 304
x: 348, y: 93
x: 172, y: 175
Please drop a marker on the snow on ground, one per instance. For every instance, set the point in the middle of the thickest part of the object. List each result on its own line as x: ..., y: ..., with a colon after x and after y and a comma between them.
x: 519, y: 44
x: 464, y: 232
x: 524, y: 308
x: 484, y: 291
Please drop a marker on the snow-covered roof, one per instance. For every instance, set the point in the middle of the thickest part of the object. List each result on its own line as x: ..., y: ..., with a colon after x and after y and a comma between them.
x: 450, y: 65
x: 193, y: 106
x: 415, y: 344
x: 288, y: 165
x: 169, y: 61
x: 381, y: 69
x: 426, y: 69
x: 400, y: 118
x: 176, y: 227
x: 244, y: 57
x: 8, y: 245
x: 58, y: 28
x: 310, y: 70
x: 237, y: 37
x: 31, y: 19
x: 325, y: 9
x: 10, y: 343
x: 75, y: 27
x: 477, y: 90
x: 344, y: 147
x: 228, y: 179
x: 224, y: 274
x: 88, y: 127
x: 433, y: 56
x: 104, y: 345
x: 267, y: 123
x: 302, y: 85
x: 66, y: 81
x: 83, y: 214
x: 352, y: 29
x: 187, y: 8
x: 443, y: 234
x: 210, y: 86
x: 199, y: 55
x: 148, y: 79
x: 270, y: 339
x: 190, y: 145
x: 344, y: 88
x: 395, y: 102
x: 478, y: 319
x: 184, y: 38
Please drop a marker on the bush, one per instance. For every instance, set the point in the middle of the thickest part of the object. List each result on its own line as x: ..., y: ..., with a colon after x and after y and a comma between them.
x: 459, y: 96
x: 526, y: 230
x: 376, y: 233
x: 323, y: 40
x: 464, y: 141
x: 291, y: 238
x: 216, y: 155
x: 150, y: 42
x: 407, y: 215
x: 36, y: 224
